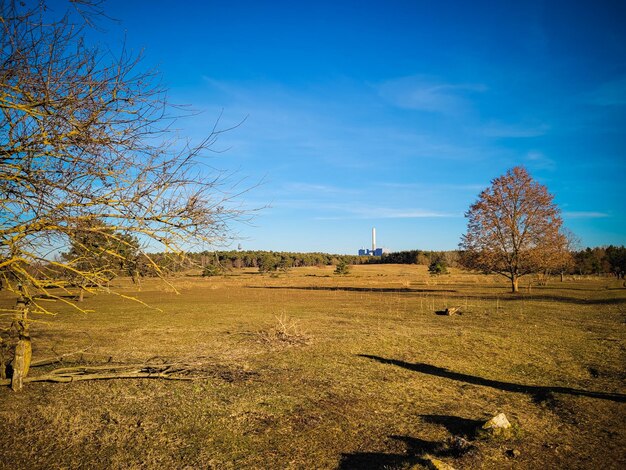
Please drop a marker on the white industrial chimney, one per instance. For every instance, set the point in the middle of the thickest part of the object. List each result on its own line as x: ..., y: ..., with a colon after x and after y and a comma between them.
x: 373, y: 239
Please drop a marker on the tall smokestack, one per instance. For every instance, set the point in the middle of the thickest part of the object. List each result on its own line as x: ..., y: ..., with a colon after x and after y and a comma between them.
x: 373, y: 238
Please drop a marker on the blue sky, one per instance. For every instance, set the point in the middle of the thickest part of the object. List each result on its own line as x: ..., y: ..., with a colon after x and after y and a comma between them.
x: 395, y: 114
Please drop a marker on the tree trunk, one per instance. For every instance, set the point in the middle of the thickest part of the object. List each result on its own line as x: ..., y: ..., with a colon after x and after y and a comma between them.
x: 562, y: 277
x: 81, y: 294
x: 3, y: 362
x: 135, y: 278
x: 23, y: 350
x: 21, y: 363
x: 515, y: 283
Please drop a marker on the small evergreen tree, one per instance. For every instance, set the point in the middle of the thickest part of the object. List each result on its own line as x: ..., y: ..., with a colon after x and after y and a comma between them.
x: 342, y: 268
x: 438, y: 266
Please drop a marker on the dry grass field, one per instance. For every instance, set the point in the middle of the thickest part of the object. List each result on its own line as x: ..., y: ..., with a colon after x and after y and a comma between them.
x: 312, y: 370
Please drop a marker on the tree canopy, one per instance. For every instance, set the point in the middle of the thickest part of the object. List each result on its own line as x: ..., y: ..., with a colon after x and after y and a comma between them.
x: 85, y: 135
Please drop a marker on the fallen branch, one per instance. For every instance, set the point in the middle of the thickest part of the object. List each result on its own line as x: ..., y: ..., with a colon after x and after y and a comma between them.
x: 76, y: 378
x: 118, y: 371
x: 453, y: 311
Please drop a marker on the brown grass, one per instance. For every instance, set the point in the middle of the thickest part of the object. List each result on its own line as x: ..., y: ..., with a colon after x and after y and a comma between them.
x: 370, y: 377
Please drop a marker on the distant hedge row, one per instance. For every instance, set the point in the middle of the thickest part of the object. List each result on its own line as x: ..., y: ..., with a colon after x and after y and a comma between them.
x: 600, y: 260
x: 215, y: 262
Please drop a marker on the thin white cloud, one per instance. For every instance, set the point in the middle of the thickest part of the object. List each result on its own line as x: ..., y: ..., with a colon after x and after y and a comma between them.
x: 537, y: 160
x: 296, y: 127
x: 373, y: 212
x: 317, y: 188
x: 386, y: 213
x: 434, y: 187
x: 584, y: 215
x: 423, y: 94
x: 290, y: 124
x: 356, y: 210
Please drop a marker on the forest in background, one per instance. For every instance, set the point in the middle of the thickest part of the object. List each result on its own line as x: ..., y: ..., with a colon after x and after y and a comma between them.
x: 609, y: 260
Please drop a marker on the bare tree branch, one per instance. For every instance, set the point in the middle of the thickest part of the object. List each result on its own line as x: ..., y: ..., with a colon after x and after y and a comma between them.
x: 86, y: 146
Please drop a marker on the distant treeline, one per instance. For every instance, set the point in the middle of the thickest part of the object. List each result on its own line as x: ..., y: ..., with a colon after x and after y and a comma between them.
x: 422, y: 257
x: 601, y: 260
x: 265, y: 261
x: 214, y: 262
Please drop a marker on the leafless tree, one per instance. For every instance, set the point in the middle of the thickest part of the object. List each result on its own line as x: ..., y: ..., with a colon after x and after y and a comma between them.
x: 84, y: 136
x: 514, y: 229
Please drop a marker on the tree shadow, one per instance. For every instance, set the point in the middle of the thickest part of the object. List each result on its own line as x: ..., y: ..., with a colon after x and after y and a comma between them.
x: 55, y: 297
x: 509, y: 296
x: 539, y: 393
x: 356, y: 289
x: 416, y: 450
x: 376, y: 461
x: 504, y: 297
x: 447, y: 313
x: 455, y: 425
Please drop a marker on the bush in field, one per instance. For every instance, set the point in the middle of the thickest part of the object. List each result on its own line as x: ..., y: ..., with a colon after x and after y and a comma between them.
x: 438, y: 266
x: 342, y: 268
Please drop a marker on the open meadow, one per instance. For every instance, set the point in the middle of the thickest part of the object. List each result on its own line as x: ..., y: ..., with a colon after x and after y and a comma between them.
x: 308, y: 369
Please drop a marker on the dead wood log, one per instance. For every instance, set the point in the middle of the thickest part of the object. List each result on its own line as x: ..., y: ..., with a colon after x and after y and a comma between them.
x: 76, y: 378
x: 23, y: 349
x: 453, y: 311
x: 172, y: 371
x: 21, y: 363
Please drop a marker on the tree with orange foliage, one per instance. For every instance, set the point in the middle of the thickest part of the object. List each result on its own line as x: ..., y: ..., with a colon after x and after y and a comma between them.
x: 514, y: 229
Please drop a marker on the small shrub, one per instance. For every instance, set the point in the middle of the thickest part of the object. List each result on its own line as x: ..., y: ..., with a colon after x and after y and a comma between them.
x: 342, y: 268
x: 438, y: 266
x: 286, y: 332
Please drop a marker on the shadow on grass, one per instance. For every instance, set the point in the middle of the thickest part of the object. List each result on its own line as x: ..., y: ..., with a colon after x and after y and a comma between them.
x: 56, y: 297
x: 548, y: 298
x: 376, y: 461
x: 539, y: 393
x: 416, y: 450
x: 505, y: 297
x: 446, y: 313
x: 455, y: 425
x: 355, y: 289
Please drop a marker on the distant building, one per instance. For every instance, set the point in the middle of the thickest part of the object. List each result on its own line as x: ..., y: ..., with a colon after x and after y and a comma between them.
x: 374, y: 251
